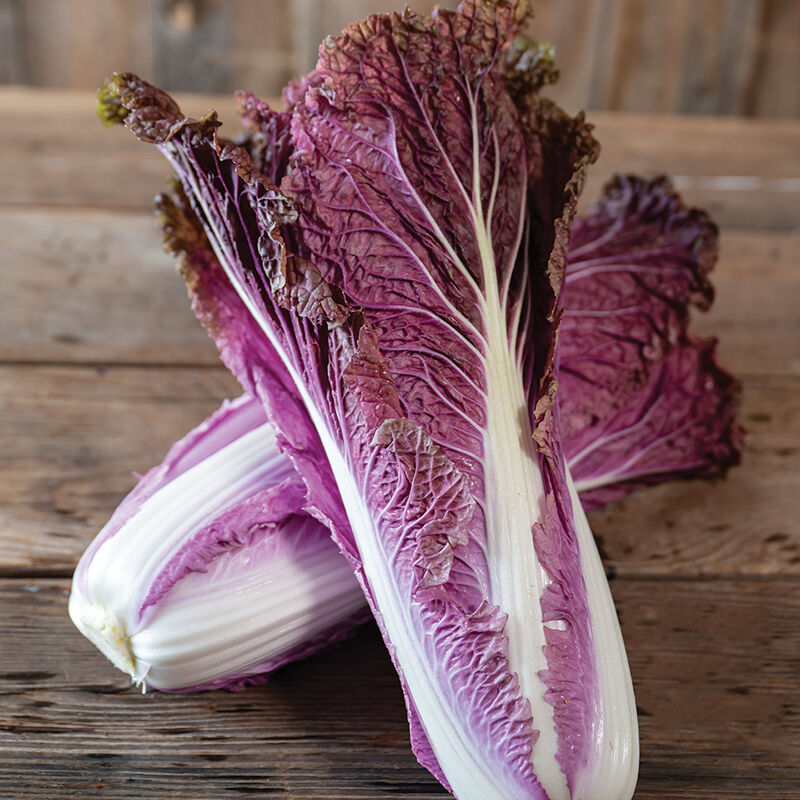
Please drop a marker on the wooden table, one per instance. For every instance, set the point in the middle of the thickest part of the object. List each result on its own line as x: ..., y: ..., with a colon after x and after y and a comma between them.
x: 103, y: 366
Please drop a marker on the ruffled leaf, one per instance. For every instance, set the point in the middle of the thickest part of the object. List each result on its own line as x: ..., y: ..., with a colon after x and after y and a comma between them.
x: 641, y: 400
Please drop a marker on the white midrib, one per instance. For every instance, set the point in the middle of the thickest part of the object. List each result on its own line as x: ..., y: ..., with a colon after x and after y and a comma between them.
x: 514, y: 503
x: 514, y: 495
x: 512, y: 474
x: 470, y: 775
x: 613, y: 764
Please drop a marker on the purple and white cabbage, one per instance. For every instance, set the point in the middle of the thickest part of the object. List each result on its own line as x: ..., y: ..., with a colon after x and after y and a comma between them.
x: 288, y: 614
x: 402, y: 290
x: 406, y: 276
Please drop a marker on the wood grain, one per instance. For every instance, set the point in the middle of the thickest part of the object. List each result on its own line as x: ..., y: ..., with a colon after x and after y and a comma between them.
x: 699, y: 57
x: 98, y: 289
x: 754, y: 315
x: 10, y: 61
x: 57, y: 153
x: 777, y: 55
x: 719, y: 56
x: 746, y: 172
x: 73, y: 436
x: 727, y: 166
x: 79, y: 43
x: 719, y: 708
x: 219, y: 46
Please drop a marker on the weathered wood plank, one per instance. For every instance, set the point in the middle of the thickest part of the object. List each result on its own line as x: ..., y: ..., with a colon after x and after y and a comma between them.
x: 222, y: 45
x: 72, y: 437
x: 189, y: 39
x: 715, y: 668
x: 98, y: 289
x: 704, y: 57
x: 310, y: 733
x: 81, y: 42
x: 93, y: 286
x: 707, y: 56
x: 747, y: 172
x: 772, y: 89
x: 56, y: 152
x: 754, y: 315
x: 10, y: 62
x: 719, y: 56
x: 717, y: 164
x: 699, y: 146
x: 646, y: 55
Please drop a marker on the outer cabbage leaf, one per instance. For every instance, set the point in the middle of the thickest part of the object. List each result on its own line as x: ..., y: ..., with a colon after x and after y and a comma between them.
x: 464, y: 531
x: 641, y: 400
x: 406, y: 210
x: 243, y: 348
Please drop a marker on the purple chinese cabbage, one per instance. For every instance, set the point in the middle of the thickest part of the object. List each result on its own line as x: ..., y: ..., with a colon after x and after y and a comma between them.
x: 648, y: 424
x: 407, y: 276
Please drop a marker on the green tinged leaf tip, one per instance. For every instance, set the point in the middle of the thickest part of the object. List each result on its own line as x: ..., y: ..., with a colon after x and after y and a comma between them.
x: 109, y: 104
x: 530, y: 65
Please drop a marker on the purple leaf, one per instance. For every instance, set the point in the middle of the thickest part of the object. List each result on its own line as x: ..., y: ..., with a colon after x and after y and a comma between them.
x: 641, y: 400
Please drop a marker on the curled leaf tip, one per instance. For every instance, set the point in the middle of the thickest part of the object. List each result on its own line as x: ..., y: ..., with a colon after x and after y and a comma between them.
x: 110, y: 108
x: 523, y: 10
x: 149, y: 112
x: 530, y: 65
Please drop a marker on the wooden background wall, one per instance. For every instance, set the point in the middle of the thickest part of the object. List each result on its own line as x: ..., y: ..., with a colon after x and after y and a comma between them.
x: 690, y: 56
